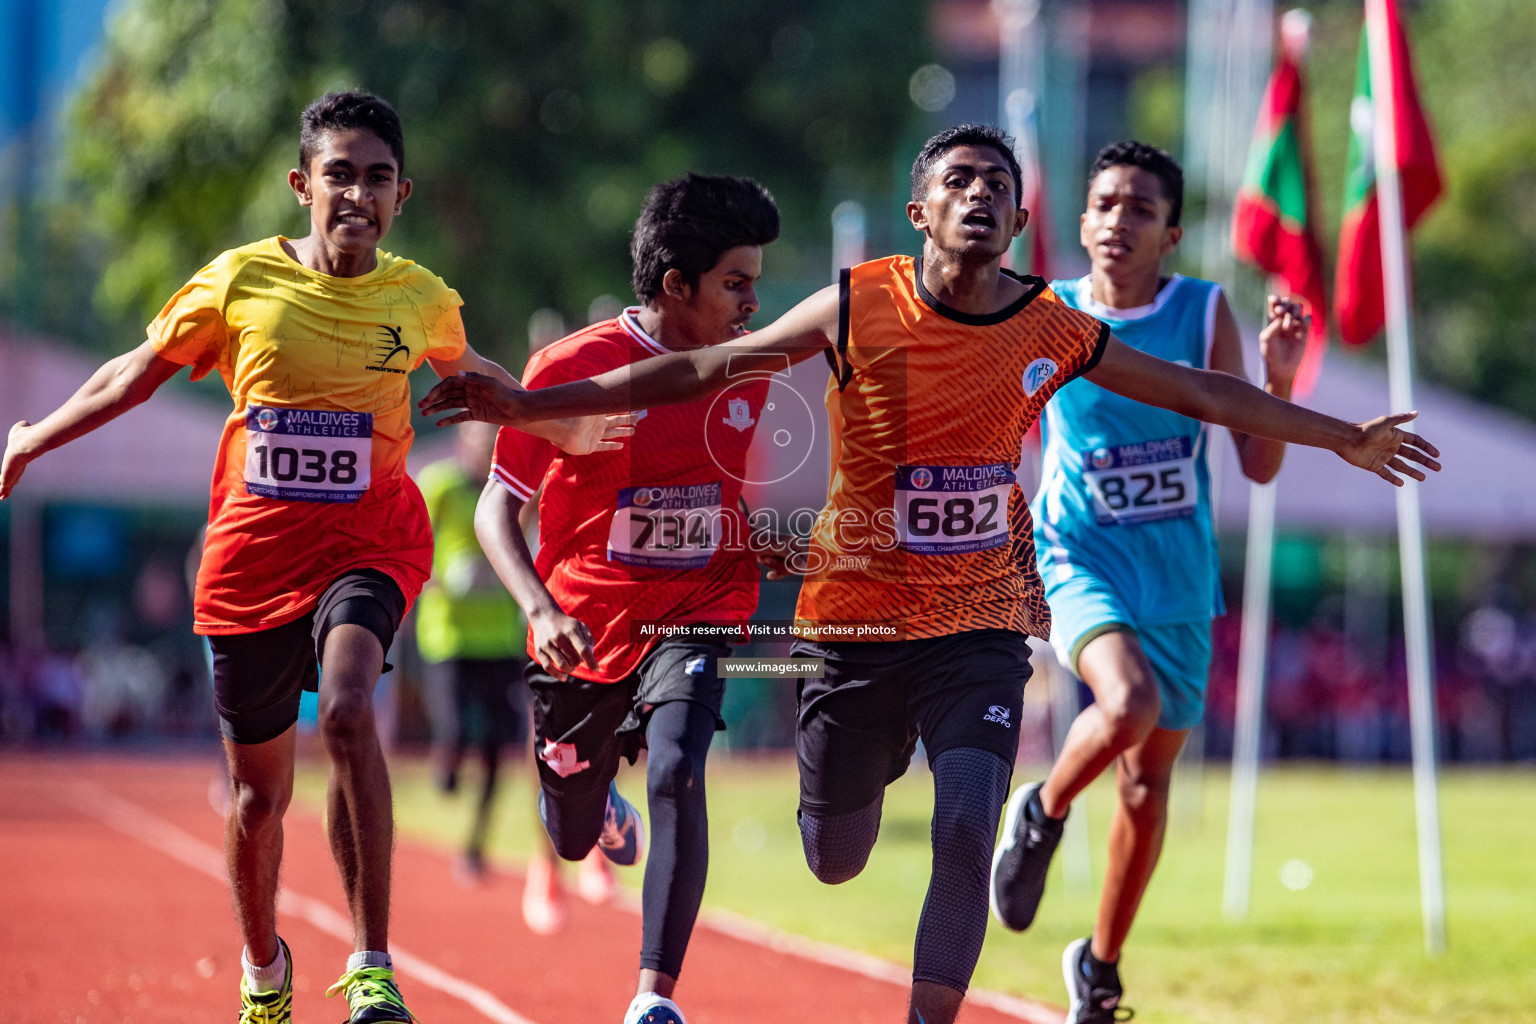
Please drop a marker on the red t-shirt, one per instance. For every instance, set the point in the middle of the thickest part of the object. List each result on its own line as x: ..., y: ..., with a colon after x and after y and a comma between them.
x: 648, y: 536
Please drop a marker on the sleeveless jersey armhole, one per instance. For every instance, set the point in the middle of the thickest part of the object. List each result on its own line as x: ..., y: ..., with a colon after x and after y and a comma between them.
x: 1210, y: 323
x: 837, y: 359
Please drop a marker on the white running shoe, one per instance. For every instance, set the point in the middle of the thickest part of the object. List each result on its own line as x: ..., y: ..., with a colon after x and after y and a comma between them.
x: 650, y: 1008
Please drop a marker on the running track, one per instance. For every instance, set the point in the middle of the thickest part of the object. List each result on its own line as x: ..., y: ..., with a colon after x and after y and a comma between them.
x: 114, y: 910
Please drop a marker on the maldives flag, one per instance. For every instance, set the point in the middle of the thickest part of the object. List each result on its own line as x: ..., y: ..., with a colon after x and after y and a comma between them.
x: 1272, y: 221
x: 1358, y: 293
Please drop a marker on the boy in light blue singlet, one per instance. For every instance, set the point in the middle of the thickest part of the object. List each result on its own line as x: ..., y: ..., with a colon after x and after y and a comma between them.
x: 1127, y: 551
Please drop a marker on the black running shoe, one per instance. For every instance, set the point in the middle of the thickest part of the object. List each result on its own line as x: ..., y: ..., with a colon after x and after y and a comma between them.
x: 1022, y: 857
x: 1094, y: 995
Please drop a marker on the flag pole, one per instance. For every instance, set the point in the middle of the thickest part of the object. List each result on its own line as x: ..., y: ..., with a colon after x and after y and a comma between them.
x: 1252, y: 663
x: 1410, y: 526
x: 1253, y: 655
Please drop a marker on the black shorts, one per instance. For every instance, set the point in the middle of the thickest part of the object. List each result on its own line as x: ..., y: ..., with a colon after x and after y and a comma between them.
x: 859, y: 724
x: 581, y: 729
x: 257, y: 677
x: 487, y: 698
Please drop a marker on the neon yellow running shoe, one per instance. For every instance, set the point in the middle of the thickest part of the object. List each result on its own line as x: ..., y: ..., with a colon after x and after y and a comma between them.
x: 268, y: 1007
x: 372, y: 996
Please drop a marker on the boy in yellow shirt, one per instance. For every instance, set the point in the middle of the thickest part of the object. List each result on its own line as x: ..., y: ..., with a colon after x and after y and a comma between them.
x: 317, y: 540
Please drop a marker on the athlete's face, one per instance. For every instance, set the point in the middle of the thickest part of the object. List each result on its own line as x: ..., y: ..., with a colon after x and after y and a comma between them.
x: 1125, y: 228
x: 353, y: 189
x: 972, y: 205
x: 722, y: 304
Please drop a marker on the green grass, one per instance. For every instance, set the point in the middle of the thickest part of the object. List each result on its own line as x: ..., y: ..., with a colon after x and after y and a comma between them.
x: 1346, y: 948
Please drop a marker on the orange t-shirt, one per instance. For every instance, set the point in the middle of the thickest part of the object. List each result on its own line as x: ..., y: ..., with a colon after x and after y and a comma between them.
x: 309, y: 481
x: 925, y: 532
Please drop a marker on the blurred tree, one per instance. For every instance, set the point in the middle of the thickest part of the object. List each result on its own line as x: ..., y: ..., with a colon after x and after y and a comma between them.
x: 1473, y: 253
x: 532, y: 132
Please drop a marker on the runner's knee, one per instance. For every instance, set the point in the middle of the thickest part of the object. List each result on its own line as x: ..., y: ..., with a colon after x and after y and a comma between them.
x: 346, y: 716
x: 971, y: 786
x: 1132, y: 712
x: 574, y: 820
x: 837, y: 846
x: 257, y: 808
x: 1144, y: 795
x: 677, y: 740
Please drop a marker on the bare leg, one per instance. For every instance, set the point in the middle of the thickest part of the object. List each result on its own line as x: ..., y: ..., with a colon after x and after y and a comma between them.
x: 654, y: 981
x: 490, y: 763
x: 360, y: 819
x: 933, y: 1003
x: 1135, y: 837
x: 1124, y: 712
x: 261, y: 784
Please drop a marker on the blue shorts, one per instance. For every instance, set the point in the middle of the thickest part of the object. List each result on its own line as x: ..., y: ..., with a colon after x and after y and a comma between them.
x: 1084, y: 606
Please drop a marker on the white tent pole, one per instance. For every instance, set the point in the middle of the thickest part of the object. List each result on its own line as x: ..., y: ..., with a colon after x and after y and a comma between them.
x: 1076, y: 862
x: 847, y: 236
x: 1410, y: 528
x: 1253, y: 656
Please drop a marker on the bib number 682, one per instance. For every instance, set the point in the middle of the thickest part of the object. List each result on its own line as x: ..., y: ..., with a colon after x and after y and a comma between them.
x: 952, y: 517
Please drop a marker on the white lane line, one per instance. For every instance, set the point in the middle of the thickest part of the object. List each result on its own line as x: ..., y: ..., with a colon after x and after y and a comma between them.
x: 156, y: 832
x: 140, y: 824
x: 757, y: 933
x: 746, y: 929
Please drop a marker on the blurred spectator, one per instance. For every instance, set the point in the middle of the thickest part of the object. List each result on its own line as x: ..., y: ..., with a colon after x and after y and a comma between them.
x: 123, y: 685
x: 53, y: 689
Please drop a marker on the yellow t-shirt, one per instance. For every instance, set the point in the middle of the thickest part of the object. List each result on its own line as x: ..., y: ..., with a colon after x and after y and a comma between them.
x: 310, y: 479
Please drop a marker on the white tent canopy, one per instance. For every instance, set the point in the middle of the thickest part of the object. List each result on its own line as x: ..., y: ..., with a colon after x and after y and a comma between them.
x: 1487, y: 489
x: 161, y: 451
x: 164, y: 450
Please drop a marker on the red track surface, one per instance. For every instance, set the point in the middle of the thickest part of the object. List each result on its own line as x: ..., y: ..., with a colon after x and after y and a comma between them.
x: 112, y: 909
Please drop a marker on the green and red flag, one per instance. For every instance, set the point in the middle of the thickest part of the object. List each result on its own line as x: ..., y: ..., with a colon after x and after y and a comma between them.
x: 1359, y: 299
x: 1273, y: 221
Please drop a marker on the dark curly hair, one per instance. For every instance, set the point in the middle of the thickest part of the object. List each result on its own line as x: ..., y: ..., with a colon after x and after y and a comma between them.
x: 981, y: 135
x: 688, y: 223
x: 1150, y: 159
x: 340, y: 110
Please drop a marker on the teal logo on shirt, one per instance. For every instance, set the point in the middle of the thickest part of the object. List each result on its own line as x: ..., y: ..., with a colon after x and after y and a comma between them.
x: 1038, y: 372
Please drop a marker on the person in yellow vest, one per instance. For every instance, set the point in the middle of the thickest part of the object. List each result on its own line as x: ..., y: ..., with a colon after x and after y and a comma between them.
x: 473, y: 637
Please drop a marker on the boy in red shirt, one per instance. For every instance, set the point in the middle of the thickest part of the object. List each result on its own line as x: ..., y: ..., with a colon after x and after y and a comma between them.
x: 643, y: 575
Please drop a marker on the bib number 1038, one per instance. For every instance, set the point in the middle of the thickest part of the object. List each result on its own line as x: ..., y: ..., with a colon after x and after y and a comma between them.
x: 308, y: 454
x: 951, y: 510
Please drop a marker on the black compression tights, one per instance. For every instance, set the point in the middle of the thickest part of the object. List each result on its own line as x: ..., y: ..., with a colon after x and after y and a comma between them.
x: 678, y: 737
x: 969, y: 789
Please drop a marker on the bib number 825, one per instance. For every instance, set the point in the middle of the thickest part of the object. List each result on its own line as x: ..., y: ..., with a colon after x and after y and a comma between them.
x: 1145, y: 490
x: 306, y: 465
x: 952, y: 517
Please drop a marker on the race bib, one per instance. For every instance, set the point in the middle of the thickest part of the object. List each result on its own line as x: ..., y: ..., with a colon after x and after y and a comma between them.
x: 666, y: 527
x: 307, y: 454
x: 1143, y: 482
x: 952, y: 510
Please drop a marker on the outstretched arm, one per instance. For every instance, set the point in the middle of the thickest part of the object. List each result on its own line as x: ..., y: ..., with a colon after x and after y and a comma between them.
x: 1378, y: 445
x: 118, y: 386
x: 661, y: 380
x: 576, y: 435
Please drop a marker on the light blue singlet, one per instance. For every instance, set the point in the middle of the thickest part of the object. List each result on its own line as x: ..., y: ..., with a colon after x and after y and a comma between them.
x: 1123, y: 517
